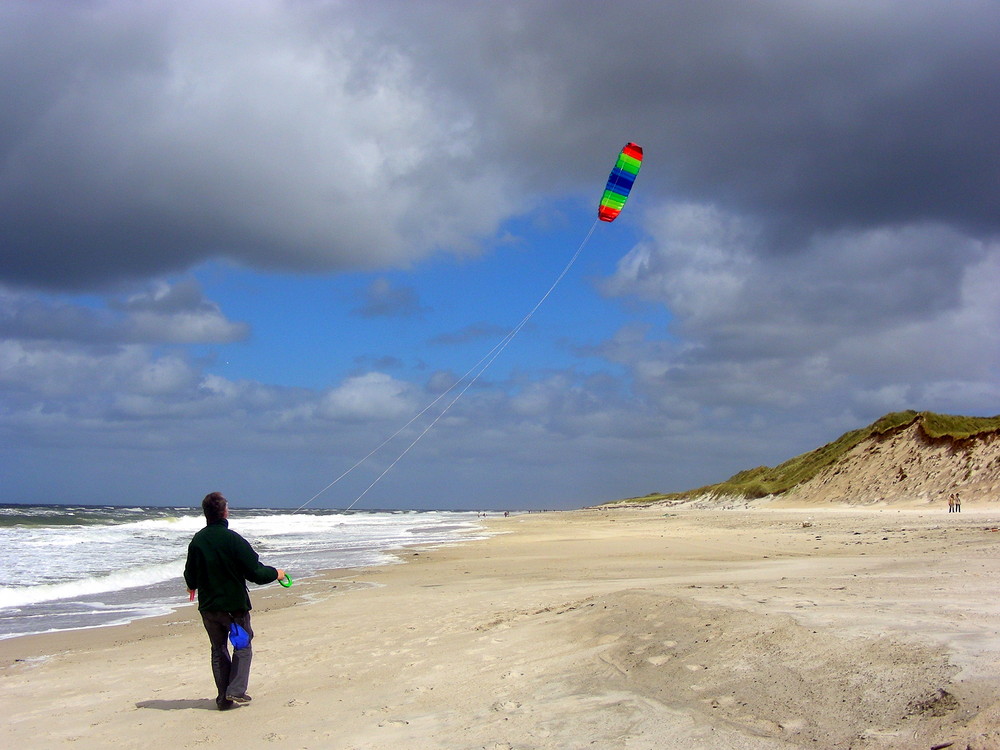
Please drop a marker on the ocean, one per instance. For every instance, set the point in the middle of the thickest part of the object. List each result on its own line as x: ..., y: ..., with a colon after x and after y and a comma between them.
x: 71, y: 567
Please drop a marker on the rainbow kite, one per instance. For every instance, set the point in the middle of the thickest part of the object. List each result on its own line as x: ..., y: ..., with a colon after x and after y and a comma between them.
x: 620, y: 182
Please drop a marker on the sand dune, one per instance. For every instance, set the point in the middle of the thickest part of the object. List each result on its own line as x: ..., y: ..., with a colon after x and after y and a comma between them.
x: 908, y: 467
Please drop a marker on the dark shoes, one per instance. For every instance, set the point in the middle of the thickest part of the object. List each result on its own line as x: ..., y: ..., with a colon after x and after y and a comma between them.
x: 232, y: 701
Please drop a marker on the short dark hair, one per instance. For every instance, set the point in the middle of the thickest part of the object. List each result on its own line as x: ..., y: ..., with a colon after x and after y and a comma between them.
x: 214, y: 506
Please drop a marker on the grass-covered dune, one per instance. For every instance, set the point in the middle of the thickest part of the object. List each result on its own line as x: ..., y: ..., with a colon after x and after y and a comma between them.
x: 764, y: 481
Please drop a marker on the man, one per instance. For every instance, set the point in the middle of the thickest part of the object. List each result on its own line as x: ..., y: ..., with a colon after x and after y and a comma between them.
x: 219, y: 563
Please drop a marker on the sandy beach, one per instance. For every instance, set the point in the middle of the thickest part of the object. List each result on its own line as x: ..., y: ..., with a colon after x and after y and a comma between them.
x: 641, y: 628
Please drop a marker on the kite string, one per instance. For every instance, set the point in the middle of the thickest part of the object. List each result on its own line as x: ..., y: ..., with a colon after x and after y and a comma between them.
x: 413, y: 419
x: 496, y: 352
x: 484, y: 362
x: 389, y: 439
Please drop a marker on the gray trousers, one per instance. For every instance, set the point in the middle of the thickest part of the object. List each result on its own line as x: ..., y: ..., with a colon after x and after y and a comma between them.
x: 232, y: 674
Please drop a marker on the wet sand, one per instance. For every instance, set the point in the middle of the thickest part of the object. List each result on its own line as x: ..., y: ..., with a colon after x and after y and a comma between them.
x: 642, y: 628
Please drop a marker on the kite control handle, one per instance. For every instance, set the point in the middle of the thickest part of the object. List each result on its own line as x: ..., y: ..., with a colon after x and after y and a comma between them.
x: 191, y: 595
x: 286, y: 581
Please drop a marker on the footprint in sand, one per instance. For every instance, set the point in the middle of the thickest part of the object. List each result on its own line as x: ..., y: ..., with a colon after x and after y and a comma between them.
x: 792, y: 725
x: 725, y: 701
x: 393, y: 723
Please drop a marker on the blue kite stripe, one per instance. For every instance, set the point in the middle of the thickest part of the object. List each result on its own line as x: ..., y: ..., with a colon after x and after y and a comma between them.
x: 621, y: 181
x: 622, y: 190
x: 624, y: 175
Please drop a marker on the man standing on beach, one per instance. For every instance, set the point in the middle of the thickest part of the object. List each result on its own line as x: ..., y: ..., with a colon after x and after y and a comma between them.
x: 219, y: 563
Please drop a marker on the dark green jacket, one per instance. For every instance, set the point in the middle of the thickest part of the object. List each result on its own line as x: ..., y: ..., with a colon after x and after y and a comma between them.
x: 219, y: 563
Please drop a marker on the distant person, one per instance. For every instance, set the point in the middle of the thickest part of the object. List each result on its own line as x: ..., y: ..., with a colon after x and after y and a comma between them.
x: 219, y: 563
x: 958, y: 503
x: 951, y: 503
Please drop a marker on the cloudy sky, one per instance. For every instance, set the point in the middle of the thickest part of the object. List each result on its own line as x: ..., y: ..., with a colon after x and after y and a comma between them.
x: 244, y: 244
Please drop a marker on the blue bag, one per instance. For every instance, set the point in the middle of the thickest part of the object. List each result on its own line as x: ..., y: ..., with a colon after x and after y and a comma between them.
x: 238, y: 637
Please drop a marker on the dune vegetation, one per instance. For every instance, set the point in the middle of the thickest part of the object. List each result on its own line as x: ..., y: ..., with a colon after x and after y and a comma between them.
x: 765, y: 480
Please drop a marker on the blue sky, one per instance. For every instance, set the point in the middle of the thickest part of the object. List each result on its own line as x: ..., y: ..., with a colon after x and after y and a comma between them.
x: 242, y: 244
x: 312, y: 331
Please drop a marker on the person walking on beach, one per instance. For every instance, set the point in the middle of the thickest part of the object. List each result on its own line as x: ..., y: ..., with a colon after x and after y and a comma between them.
x: 219, y: 563
x: 958, y: 503
x: 951, y: 503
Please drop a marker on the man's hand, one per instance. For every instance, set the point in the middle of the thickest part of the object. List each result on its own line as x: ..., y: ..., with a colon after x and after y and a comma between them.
x: 281, y: 573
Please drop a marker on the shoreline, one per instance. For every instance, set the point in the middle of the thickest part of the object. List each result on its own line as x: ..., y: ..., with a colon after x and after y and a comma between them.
x: 275, y: 597
x: 637, y: 627
x: 107, y: 592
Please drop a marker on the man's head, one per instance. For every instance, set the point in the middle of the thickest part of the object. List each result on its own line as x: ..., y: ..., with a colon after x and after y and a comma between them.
x: 215, y: 506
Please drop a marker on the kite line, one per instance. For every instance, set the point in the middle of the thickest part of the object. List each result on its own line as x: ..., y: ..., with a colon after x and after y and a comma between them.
x: 613, y: 200
x: 476, y: 371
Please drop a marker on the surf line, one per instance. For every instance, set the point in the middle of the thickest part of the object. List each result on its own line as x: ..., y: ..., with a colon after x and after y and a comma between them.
x: 476, y: 371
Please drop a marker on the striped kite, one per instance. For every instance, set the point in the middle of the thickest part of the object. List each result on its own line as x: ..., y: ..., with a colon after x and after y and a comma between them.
x: 620, y: 182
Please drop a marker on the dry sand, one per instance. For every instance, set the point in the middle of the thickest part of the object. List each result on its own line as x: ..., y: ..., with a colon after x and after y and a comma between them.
x: 643, y: 628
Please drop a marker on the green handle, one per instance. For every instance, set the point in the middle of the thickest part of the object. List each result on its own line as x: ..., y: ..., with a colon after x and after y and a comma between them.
x: 286, y: 581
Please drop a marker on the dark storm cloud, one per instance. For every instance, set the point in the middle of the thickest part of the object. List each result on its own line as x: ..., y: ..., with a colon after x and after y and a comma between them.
x: 140, y: 138
x: 167, y: 133
x: 819, y: 114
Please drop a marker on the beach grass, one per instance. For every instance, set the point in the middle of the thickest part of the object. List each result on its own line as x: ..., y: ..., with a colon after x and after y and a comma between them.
x: 763, y: 481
